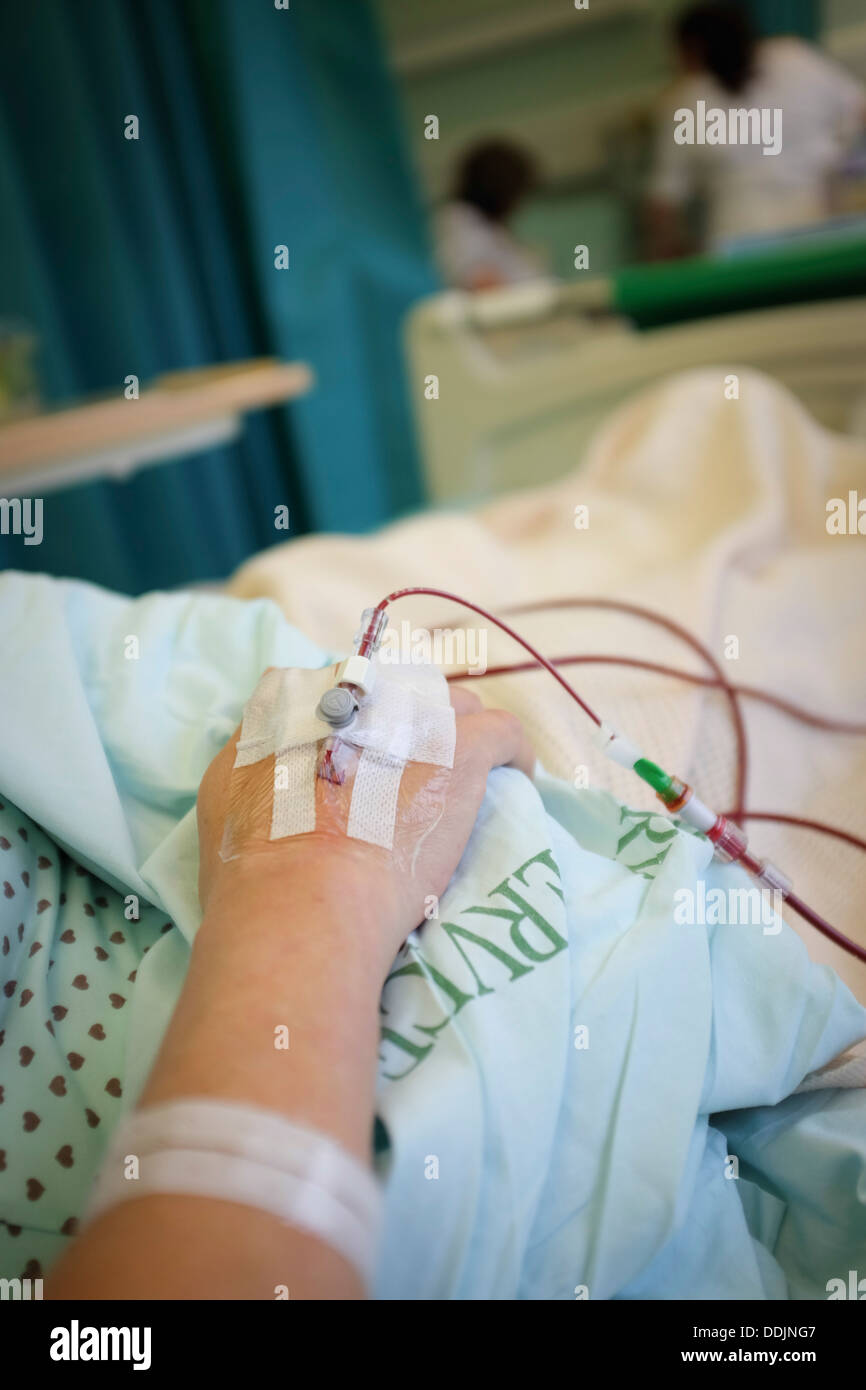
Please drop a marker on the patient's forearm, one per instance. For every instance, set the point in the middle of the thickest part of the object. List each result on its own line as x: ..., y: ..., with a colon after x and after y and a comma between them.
x: 298, y: 934
x: 300, y: 954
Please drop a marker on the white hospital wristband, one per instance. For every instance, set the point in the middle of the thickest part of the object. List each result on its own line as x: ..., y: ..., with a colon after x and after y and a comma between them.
x: 240, y: 1153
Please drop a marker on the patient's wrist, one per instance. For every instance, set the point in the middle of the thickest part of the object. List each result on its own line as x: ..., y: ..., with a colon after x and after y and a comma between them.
x: 280, y: 1006
x: 315, y: 888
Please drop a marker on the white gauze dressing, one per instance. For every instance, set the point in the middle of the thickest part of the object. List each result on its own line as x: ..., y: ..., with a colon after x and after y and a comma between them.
x: 406, y: 717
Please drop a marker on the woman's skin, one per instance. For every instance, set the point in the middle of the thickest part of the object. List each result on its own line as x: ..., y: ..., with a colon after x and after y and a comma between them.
x: 299, y: 932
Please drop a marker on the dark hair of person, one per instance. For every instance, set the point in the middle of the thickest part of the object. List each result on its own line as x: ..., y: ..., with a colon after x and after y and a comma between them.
x: 721, y: 38
x: 494, y: 177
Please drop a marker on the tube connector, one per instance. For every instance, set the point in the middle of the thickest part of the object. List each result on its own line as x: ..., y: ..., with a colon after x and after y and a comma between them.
x: 357, y: 672
x: 675, y: 795
x: 729, y: 840
x: 369, y: 635
x: 680, y: 800
x: 616, y: 746
x: 772, y: 878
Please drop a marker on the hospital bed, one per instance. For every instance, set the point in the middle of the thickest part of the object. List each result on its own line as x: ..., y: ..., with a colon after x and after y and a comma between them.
x: 728, y: 490
x: 526, y: 374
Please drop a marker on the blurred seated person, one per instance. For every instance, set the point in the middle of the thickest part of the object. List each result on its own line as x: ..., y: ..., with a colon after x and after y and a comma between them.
x: 807, y: 110
x: 475, y: 249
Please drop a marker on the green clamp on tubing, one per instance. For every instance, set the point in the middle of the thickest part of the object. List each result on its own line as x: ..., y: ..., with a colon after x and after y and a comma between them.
x: 655, y: 777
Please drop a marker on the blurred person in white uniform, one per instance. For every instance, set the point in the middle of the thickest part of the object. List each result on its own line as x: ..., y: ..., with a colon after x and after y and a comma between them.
x: 475, y: 249
x: 811, y: 108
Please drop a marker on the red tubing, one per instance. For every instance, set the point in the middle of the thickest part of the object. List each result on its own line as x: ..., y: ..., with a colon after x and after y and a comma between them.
x: 527, y: 646
x: 683, y: 634
x: 732, y: 692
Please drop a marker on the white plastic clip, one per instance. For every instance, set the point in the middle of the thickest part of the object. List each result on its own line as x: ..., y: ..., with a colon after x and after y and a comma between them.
x: 358, y: 671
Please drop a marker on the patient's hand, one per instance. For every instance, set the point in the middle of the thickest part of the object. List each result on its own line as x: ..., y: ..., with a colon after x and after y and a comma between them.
x: 436, y: 812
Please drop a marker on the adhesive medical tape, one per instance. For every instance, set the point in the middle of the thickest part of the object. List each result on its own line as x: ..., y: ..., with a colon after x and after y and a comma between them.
x: 294, y: 810
x: 406, y: 717
x: 373, y: 810
x: 244, y: 1154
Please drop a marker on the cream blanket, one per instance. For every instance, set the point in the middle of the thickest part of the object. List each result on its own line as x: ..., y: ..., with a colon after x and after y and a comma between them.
x: 709, y: 510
